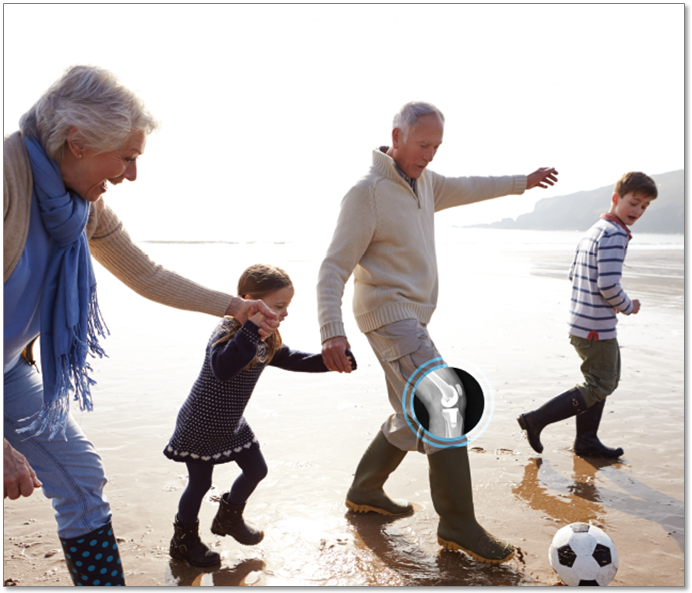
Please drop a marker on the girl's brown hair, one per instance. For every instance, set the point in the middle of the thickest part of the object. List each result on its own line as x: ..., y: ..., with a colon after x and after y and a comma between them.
x: 259, y: 281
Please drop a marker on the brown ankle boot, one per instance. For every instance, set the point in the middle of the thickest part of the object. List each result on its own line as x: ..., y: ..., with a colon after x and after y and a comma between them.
x: 186, y: 545
x: 229, y: 521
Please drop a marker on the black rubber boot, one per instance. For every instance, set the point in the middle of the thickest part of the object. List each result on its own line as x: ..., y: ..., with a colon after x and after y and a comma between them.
x: 229, y: 521
x: 380, y: 459
x: 452, y: 496
x: 587, y: 443
x: 561, y: 407
x: 186, y: 545
x: 93, y: 559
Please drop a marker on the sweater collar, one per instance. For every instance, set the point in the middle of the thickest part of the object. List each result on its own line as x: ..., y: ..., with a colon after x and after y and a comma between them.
x: 388, y: 165
x: 616, y: 220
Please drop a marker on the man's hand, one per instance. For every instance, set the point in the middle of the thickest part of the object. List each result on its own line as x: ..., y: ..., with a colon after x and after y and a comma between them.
x: 636, y: 305
x: 243, y: 309
x: 334, y: 354
x: 20, y: 479
x: 542, y: 177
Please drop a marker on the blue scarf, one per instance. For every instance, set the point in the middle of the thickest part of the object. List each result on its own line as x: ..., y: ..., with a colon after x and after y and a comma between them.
x: 70, y: 317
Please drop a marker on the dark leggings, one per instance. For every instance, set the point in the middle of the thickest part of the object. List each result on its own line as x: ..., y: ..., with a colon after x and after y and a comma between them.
x: 254, y: 470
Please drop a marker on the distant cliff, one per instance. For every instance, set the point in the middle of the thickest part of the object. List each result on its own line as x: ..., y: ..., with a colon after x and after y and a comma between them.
x: 577, y: 212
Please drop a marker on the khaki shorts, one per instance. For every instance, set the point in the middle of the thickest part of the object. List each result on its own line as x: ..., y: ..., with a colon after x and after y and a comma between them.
x: 403, y: 347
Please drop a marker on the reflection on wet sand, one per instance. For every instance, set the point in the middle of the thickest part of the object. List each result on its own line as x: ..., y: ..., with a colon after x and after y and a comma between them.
x: 181, y: 574
x: 408, y: 564
x: 586, y: 501
x: 371, y: 550
x: 563, y: 509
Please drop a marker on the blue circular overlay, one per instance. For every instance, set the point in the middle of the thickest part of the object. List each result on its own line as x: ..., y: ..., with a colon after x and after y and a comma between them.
x: 426, y: 436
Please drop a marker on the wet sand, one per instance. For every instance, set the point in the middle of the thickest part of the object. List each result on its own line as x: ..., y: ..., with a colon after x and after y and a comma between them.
x: 502, y: 311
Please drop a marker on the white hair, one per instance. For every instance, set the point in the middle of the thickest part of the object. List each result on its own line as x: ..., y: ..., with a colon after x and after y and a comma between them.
x: 407, y: 117
x: 92, y: 100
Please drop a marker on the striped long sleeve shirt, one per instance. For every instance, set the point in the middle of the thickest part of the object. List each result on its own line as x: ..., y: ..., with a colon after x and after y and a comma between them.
x: 595, y: 275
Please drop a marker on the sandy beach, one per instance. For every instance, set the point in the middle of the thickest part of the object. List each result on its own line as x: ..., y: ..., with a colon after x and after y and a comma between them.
x: 502, y: 309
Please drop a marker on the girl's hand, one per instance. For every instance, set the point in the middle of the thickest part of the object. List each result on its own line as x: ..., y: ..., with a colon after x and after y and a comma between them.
x: 258, y: 318
x: 351, y: 359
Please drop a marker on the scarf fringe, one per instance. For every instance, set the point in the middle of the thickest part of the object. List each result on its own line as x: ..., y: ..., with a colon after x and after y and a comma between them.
x: 96, y: 326
x: 52, y: 416
x: 72, y: 376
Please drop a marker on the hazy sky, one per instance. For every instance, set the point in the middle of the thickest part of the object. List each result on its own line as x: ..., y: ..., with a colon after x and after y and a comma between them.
x: 269, y: 113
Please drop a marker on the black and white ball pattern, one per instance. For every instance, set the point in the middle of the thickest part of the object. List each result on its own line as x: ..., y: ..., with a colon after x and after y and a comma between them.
x: 583, y: 555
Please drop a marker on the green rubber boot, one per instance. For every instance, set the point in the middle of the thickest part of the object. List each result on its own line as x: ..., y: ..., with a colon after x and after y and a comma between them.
x: 452, y: 496
x: 380, y: 459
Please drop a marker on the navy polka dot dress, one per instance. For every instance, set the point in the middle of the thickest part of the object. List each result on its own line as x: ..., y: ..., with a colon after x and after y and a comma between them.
x: 210, y: 425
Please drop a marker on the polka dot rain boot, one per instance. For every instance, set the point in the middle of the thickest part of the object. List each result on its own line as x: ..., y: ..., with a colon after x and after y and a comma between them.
x: 93, y: 559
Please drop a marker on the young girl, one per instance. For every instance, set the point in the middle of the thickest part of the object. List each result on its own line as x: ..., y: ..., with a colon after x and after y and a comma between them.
x: 211, y: 428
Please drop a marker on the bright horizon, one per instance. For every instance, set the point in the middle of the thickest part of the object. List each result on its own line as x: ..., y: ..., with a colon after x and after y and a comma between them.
x: 269, y: 112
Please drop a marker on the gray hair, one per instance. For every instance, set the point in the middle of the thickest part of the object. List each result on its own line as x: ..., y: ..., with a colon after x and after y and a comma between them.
x: 407, y: 117
x: 93, y: 100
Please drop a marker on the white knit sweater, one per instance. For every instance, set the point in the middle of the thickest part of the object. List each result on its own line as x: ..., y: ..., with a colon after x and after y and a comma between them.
x: 385, y: 236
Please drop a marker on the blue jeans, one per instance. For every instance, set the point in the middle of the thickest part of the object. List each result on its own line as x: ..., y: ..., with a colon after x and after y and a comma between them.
x: 71, y: 471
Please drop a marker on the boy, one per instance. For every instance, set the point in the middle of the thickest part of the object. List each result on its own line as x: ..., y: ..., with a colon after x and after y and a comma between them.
x: 596, y: 299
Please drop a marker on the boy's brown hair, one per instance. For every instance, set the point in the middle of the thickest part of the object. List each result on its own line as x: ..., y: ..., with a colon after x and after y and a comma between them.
x: 636, y: 183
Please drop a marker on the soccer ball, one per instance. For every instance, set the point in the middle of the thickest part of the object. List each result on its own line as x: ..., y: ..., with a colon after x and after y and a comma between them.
x: 582, y: 554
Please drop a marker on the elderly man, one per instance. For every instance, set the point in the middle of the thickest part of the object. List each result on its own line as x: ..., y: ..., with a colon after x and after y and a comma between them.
x: 385, y: 237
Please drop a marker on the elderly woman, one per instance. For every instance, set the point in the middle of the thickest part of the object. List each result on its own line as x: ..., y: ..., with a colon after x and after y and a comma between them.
x: 87, y: 130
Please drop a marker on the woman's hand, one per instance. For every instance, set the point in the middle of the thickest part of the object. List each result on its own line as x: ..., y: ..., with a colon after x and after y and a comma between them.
x: 243, y: 310
x: 20, y: 478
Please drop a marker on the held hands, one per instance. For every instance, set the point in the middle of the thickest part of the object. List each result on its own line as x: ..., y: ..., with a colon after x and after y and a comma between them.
x: 335, y: 356
x: 542, y: 177
x: 20, y: 479
x: 257, y: 318
x: 255, y: 311
x: 261, y: 320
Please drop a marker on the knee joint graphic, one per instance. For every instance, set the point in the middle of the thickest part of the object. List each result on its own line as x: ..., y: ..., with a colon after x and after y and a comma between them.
x: 445, y: 405
x: 444, y: 400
